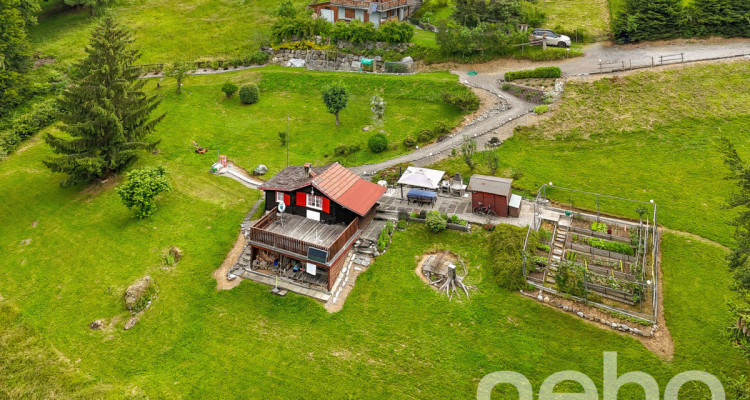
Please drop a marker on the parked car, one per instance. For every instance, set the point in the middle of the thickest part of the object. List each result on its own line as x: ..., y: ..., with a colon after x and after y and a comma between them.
x: 552, y: 38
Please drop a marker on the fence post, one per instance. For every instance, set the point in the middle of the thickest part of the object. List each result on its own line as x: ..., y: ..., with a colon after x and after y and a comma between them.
x: 682, y: 57
x: 652, y: 61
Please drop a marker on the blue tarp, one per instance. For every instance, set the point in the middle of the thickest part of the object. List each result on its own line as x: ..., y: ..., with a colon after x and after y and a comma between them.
x: 421, y: 193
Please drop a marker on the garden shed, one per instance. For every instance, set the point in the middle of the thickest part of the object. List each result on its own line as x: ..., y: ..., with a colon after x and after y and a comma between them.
x: 490, y: 191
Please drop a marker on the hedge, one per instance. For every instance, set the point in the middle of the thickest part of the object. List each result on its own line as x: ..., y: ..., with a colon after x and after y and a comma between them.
x: 541, y: 72
x: 26, y: 125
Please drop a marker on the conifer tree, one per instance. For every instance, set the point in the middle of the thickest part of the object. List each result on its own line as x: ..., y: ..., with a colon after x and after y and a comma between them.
x: 649, y: 20
x: 105, y: 110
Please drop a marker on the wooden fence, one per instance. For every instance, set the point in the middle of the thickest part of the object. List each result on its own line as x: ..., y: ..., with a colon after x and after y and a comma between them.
x: 600, y: 235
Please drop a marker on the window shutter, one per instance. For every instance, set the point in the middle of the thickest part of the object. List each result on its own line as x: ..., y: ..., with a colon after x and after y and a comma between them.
x: 301, y: 199
x: 287, y: 199
x: 326, y: 205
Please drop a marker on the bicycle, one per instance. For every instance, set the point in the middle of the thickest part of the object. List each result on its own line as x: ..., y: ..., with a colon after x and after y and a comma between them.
x: 484, y: 210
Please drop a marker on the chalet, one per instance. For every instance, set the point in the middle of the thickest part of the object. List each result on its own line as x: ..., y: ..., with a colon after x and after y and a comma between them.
x: 325, y: 210
x: 377, y: 11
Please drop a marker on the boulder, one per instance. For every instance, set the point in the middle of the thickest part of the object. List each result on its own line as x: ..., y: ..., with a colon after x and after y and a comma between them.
x: 407, y: 60
x: 260, y: 170
x: 131, y: 322
x: 97, y: 324
x: 136, y: 291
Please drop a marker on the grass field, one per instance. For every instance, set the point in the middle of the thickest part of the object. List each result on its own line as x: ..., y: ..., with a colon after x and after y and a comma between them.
x: 612, y: 139
x: 249, y: 134
x: 165, y: 30
x: 592, y: 15
x: 424, y: 38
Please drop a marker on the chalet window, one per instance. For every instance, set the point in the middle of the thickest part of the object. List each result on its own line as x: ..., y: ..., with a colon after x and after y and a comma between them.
x: 315, y: 202
x: 279, y: 197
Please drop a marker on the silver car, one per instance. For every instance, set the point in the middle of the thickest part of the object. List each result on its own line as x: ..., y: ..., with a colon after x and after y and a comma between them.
x: 550, y: 37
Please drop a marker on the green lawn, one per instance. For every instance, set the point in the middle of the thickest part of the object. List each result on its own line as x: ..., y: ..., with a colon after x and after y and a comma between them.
x: 646, y: 136
x: 249, y: 134
x: 424, y: 38
x: 166, y: 30
x: 568, y: 15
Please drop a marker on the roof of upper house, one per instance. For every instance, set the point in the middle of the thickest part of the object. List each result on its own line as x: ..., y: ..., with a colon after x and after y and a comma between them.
x: 334, y: 181
x: 490, y: 184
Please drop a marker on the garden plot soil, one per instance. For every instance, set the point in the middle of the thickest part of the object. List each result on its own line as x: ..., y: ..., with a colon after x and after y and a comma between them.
x: 222, y: 283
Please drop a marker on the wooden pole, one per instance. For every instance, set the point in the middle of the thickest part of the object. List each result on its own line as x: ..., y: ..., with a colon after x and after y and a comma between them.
x: 287, y: 140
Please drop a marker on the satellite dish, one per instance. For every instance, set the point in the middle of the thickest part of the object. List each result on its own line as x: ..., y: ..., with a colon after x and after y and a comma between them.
x: 282, y: 207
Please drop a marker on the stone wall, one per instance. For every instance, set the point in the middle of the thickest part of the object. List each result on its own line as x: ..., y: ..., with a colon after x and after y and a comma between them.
x: 321, y: 60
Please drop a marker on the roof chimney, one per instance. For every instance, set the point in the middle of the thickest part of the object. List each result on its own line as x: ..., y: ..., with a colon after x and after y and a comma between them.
x: 308, y: 170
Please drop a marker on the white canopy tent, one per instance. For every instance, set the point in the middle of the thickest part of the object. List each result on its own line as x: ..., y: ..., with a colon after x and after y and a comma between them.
x: 422, y: 178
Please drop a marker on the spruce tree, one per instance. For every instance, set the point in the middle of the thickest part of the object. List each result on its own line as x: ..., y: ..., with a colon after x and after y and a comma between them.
x: 105, y: 111
x: 15, y: 55
x: 650, y: 20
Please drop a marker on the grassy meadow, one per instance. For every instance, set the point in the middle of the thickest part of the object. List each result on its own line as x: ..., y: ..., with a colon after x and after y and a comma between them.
x: 607, y: 137
x: 591, y: 15
x: 165, y: 30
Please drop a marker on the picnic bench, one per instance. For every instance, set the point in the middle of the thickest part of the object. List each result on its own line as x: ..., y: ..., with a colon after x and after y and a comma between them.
x: 421, y: 196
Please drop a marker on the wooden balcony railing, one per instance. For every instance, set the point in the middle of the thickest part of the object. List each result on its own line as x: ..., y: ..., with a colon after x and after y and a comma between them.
x: 381, y: 5
x: 259, y: 234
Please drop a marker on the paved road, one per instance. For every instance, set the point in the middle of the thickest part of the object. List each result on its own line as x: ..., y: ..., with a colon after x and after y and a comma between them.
x: 500, y: 120
x: 512, y: 111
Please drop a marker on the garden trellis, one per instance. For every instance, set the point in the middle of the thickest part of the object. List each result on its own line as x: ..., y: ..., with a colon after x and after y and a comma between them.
x: 609, y: 261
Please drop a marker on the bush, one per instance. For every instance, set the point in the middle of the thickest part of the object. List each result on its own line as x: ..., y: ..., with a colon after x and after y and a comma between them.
x: 403, y: 216
x: 402, y: 225
x: 377, y: 143
x: 259, y: 58
x: 396, y: 32
x: 541, y: 72
x: 141, y: 187
x: 409, y: 141
x: 425, y: 135
x: 466, y: 101
x: 27, y: 125
x: 570, y: 278
x: 543, y: 247
x: 354, y: 32
x: 422, y: 214
x: 541, y: 109
x: 506, y: 86
x: 343, y: 150
x: 249, y: 93
x: 229, y: 89
x: 506, y: 254
x: 396, y: 68
x: 435, y: 222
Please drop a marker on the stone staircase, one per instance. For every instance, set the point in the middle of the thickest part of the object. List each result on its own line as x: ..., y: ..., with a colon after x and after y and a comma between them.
x: 557, y: 250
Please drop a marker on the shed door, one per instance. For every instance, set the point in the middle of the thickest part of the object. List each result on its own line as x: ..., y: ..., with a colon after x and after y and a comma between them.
x: 327, y: 15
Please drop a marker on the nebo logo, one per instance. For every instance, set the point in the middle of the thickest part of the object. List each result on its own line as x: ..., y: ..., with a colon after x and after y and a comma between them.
x: 611, y: 384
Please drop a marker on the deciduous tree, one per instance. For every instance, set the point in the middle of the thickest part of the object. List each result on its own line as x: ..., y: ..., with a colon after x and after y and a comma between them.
x: 105, y: 111
x: 335, y: 97
x: 141, y: 187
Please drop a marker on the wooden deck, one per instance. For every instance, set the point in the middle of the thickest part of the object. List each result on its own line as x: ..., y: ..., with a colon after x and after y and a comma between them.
x: 305, y: 229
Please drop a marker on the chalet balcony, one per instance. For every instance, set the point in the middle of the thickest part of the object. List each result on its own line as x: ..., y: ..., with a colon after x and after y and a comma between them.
x: 368, y: 5
x: 296, y: 235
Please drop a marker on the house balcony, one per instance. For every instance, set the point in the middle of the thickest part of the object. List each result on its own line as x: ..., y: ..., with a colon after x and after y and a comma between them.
x: 369, y: 5
x: 294, y: 236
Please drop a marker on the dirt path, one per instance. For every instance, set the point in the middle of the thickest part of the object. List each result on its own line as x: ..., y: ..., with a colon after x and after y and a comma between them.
x: 222, y: 283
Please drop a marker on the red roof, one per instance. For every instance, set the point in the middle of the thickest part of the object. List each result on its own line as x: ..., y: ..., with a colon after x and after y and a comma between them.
x: 348, y: 189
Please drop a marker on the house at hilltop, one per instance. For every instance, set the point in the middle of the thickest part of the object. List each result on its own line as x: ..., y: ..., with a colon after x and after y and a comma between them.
x: 377, y: 11
x: 313, y: 217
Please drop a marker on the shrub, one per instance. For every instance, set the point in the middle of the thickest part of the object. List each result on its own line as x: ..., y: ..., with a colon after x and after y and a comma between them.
x: 541, y: 109
x: 454, y: 219
x: 229, y: 89
x: 343, y: 150
x: 466, y: 101
x: 26, y: 125
x: 377, y: 143
x: 423, y: 214
x: 425, y: 135
x: 414, y: 214
x: 506, y: 86
x: 541, y: 72
x: 506, y: 254
x: 354, y: 32
x: 409, y: 141
x: 141, y: 187
x: 543, y: 247
x: 249, y: 93
x: 402, y: 225
x: 396, y: 32
x: 435, y: 222
x: 259, y: 58
x: 570, y: 279
x: 396, y: 68
x: 403, y: 216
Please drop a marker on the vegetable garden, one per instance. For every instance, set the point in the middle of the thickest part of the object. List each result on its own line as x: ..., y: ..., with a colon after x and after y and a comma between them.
x: 609, y: 262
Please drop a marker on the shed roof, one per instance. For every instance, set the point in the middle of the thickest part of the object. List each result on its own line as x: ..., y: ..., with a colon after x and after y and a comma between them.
x: 421, y: 177
x: 490, y: 184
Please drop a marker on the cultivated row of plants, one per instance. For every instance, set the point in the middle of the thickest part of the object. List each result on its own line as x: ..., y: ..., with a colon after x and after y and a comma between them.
x: 572, y: 278
x: 541, y: 72
x: 617, y: 247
